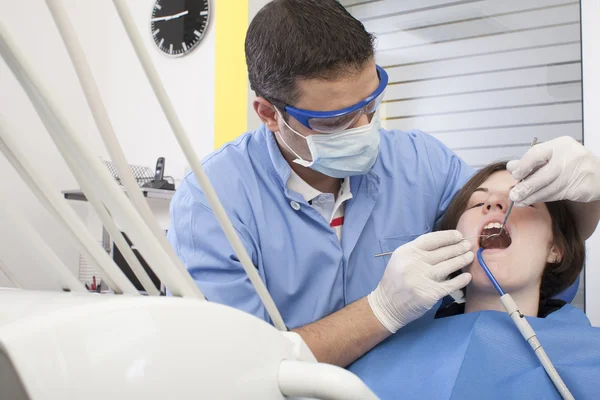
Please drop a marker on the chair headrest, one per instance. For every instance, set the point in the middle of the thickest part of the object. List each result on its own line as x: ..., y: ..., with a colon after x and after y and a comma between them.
x: 569, y: 293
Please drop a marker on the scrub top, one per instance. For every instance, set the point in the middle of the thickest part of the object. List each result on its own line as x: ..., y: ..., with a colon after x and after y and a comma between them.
x: 332, y: 209
x: 307, y: 270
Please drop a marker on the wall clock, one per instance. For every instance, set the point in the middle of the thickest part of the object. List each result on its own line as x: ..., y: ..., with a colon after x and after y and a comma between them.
x: 177, y: 26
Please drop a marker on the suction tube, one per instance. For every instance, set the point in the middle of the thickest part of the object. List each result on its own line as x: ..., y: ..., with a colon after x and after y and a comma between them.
x: 488, y: 272
x: 526, y: 331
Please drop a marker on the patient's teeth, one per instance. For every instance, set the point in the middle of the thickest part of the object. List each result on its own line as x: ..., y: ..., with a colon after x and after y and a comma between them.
x: 492, y: 225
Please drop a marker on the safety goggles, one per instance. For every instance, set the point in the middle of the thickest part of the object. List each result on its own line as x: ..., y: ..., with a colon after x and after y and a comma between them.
x: 339, y: 120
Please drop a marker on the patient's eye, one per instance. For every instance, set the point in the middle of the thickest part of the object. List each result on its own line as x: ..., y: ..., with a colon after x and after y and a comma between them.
x: 476, y: 205
x: 477, y: 200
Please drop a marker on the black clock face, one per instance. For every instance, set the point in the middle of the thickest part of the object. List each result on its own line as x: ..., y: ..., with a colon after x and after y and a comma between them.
x: 177, y: 26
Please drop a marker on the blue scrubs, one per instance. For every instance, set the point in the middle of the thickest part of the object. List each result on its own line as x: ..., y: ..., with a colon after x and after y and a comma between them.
x: 308, y: 272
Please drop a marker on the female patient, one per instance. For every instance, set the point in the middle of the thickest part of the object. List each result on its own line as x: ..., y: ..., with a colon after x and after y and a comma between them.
x: 538, y: 255
x: 473, y: 350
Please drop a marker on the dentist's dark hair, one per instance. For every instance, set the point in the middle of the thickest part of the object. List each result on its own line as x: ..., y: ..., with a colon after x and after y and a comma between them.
x: 557, y: 276
x: 289, y: 40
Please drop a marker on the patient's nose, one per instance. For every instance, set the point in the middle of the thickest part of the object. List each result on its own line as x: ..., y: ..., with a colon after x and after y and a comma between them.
x: 496, y: 202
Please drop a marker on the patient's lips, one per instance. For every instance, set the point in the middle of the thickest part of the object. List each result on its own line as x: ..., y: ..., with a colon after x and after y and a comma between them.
x: 501, y: 241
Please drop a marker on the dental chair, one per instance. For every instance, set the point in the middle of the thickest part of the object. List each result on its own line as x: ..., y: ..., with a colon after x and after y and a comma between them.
x: 568, y: 295
x: 57, y: 346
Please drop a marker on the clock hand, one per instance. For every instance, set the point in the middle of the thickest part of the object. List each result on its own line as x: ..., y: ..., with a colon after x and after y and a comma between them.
x: 170, y: 17
x: 181, y: 14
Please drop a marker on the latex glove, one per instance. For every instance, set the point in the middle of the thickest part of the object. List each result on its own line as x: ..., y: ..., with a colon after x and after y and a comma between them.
x: 415, y: 278
x: 567, y: 171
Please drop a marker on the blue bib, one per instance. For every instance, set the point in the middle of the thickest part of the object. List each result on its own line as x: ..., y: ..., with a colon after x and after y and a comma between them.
x: 482, y: 355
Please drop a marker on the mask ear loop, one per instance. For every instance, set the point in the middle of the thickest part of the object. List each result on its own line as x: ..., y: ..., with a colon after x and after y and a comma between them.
x: 299, y: 159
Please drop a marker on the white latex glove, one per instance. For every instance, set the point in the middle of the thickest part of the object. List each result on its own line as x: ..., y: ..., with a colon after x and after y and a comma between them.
x: 415, y: 278
x: 567, y: 171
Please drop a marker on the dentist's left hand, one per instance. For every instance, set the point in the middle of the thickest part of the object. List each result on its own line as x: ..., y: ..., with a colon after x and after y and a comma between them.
x: 416, y: 277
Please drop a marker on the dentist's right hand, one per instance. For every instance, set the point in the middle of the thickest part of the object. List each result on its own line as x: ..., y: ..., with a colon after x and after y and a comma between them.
x: 416, y: 277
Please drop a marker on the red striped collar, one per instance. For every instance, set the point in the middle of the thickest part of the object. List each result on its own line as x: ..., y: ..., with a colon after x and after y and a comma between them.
x: 339, y: 221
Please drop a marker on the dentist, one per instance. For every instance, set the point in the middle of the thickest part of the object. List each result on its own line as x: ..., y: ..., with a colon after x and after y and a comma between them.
x: 319, y: 188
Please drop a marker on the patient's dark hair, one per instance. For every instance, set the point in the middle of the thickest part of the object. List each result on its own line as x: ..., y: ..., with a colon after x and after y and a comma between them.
x: 556, y: 276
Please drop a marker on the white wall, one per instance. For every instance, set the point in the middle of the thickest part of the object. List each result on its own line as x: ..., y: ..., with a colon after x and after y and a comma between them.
x: 40, y: 43
x: 135, y: 114
x: 590, y: 21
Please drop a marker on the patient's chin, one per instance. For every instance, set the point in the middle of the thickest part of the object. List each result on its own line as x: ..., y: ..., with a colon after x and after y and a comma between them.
x: 480, y: 279
x: 481, y: 284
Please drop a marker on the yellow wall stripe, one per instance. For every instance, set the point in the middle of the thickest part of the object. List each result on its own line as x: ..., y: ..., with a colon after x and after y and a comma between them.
x: 231, y: 87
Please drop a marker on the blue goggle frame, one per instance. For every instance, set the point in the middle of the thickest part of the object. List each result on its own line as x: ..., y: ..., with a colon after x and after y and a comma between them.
x: 306, y: 116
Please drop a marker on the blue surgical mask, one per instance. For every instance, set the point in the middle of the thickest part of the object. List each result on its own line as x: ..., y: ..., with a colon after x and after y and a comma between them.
x: 346, y: 153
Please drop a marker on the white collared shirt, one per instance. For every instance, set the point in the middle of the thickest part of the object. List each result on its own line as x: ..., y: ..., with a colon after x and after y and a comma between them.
x: 325, y: 203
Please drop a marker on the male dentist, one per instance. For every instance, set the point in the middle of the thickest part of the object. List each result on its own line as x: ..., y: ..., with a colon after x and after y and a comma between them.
x: 319, y: 188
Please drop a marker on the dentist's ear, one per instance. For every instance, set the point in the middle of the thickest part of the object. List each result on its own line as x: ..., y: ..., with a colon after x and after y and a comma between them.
x: 266, y: 112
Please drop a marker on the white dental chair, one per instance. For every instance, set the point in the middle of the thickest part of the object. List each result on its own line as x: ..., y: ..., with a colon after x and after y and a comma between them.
x: 83, y: 346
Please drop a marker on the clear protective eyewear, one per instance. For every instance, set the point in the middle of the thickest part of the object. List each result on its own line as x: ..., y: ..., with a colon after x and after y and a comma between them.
x: 339, y: 120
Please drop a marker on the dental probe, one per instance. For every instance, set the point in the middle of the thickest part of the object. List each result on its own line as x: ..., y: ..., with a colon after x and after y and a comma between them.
x: 512, y: 203
x: 471, y: 237
x: 526, y: 331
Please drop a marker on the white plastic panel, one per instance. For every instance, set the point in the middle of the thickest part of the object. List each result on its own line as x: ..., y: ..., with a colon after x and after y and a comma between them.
x: 509, y: 136
x: 555, y: 113
x: 529, y: 95
x: 519, y: 58
x: 465, y: 11
x: 76, y: 346
x: 480, y: 45
x: 525, y: 21
x: 485, y: 81
x: 438, y: 10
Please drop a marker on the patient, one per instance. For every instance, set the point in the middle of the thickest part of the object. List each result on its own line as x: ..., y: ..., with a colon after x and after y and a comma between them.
x: 473, y: 350
x: 538, y: 255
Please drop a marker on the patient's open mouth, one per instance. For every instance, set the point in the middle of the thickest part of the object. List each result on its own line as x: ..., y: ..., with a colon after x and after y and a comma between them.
x: 501, y: 241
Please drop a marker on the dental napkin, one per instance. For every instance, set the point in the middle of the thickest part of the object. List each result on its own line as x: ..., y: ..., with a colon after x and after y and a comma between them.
x: 482, y: 355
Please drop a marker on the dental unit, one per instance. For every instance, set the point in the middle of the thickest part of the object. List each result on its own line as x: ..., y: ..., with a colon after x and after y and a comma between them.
x: 134, y: 347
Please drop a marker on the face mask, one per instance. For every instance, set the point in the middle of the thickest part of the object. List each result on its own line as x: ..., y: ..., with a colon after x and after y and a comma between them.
x: 347, y: 153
